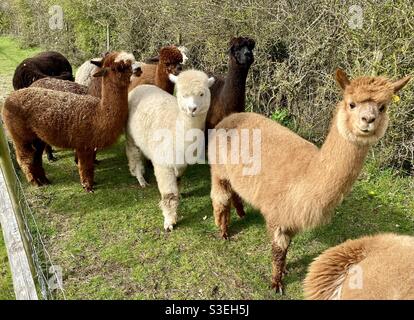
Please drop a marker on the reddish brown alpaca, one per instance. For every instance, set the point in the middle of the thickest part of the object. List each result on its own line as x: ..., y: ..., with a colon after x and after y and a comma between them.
x: 228, y: 93
x: 157, y: 74
x: 66, y: 86
x: 35, y: 116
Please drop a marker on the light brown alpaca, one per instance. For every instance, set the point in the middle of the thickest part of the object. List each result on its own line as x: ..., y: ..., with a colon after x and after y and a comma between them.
x: 299, y: 184
x: 377, y: 267
x: 35, y: 116
x: 170, y: 60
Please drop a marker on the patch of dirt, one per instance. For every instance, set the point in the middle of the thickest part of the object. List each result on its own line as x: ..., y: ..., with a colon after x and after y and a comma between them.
x: 6, y: 86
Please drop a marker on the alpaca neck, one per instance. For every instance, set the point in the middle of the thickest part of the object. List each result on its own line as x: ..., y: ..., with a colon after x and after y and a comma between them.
x: 338, y: 165
x: 234, y: 90
x: 112, y: 112
x: 162, y: 81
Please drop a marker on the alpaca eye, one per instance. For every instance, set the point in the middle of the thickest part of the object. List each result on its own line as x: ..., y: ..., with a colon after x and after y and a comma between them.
x: 382, y: 108
x: 201, y: 94
x: 352, y: 105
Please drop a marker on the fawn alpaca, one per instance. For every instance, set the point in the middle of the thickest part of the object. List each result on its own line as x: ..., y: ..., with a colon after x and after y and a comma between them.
x: 299, y: 185
x: 383, y: 266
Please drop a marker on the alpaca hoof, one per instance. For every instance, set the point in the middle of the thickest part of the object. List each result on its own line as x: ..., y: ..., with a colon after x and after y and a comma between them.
x: 96, y: 161
x: 168, y: 228
x: 44, y: 181
x: 51, y: 158
x: 225, y: 236
x: 88, y: 188
x: 143, y: 183
x: 278, y: 287
x: 241, y: 214
x: 36, y: 183
x: 169, y: 224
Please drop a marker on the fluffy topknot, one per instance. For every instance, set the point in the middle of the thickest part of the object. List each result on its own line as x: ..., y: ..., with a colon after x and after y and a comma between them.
x: 171, y: 55
x: 376, y: 89
x: 241, y: 42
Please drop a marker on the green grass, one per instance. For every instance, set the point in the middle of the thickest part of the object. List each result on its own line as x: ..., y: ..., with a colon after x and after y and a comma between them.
x: 10, y: 56
x: 111, y: 244
x: 6, y: 285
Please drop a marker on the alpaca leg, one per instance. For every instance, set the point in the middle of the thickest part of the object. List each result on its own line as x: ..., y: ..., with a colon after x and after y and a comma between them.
x: 280, y: 245
x: 39, y: 147
x: 136, y: 162
x: 238, y: 204
x: 221, y: 198
x: 25, y: 154
x: 95, y: 161
x: 49, y: 153
x: 167, y: 185
x: 86, y: 169
x: 179, y: 173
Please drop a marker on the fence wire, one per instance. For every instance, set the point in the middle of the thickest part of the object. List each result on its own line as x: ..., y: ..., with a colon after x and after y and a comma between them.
x: 47, y: 275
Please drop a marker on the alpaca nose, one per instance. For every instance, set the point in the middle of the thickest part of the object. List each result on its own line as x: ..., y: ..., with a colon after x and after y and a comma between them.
x: 368, y: 119
x: 192, y: 109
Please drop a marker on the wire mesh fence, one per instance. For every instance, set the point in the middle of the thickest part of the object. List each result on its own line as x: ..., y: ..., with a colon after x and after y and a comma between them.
x: 47, y: 276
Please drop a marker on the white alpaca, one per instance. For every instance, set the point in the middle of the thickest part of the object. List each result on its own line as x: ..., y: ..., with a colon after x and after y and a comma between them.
x: 84, y: 74
x: 156, y: 114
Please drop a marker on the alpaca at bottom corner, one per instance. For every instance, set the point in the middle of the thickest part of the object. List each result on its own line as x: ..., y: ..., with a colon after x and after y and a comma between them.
x: 379, y: 267
x: 297, y: 185
x: 163, y: 128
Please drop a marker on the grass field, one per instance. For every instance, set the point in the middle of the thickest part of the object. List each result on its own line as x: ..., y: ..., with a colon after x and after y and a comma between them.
x: 111, y: 244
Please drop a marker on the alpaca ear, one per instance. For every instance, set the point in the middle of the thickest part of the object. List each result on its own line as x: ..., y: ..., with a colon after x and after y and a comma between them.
x: 172, y: 78
x: 100, y: 73
x: 342, y: 78
x: 211, y: 81
x: 98, y: 63
x: 399, y: 84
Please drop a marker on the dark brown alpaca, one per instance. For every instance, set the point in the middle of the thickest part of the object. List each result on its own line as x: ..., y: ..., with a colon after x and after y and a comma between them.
x: 228, y: 93
x: 45, y: 64
x: 170, y: 60
x: 35, y: 116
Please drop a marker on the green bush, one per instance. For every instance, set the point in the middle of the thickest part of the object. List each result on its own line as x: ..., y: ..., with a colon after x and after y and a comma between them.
x: 299, y: 45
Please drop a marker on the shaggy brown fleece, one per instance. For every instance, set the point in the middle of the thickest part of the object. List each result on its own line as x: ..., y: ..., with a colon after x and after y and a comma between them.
x: 60, y: 85
x: 34, y: 116
x: 65, y: 86
x: 228, y: 94
x: 298, y: 184
x: 379, y: 267
x: 170, y: 59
